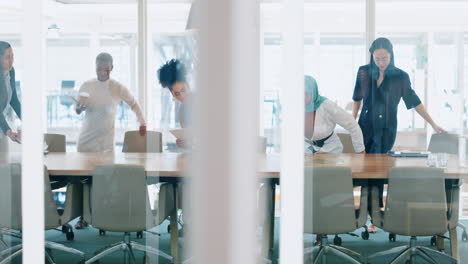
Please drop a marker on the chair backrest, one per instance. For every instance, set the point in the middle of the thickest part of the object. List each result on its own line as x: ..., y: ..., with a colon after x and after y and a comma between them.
x: 55, y: 142
x: 10, y: 197
x: 446, y: 143
x: 119, y: 199
x: 150, y: 143
x: 347, y: 142
x: 328, y: 201
x: 416, y: 203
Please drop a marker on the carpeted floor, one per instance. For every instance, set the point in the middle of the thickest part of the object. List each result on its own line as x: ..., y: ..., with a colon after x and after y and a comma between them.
x: 88, y: 241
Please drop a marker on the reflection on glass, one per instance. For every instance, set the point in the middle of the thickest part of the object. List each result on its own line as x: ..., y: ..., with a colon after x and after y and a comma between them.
x: 10, y: 155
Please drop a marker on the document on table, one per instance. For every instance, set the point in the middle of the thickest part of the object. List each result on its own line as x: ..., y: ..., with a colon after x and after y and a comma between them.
x: 178, y: 133
x: 409, y: 153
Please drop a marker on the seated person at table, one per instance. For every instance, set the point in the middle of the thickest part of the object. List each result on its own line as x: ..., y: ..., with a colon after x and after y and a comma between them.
x: 321, y: 118
x: 100, y: 98
x: 172, y: 75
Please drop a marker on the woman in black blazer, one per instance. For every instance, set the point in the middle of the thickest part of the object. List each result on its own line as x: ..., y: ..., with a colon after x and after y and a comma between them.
x: 8, y: 95
x: 380, y: 86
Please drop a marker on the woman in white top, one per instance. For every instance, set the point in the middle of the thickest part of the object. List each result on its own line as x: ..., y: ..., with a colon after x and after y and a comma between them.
x: 321, y: 118
x: 97, y: 133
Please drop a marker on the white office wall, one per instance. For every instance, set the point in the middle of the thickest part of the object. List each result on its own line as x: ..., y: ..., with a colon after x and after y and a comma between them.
x: 32, y: 140
x: 225, y: 158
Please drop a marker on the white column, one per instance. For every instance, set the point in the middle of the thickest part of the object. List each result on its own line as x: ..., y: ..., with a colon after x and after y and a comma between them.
x: 94, y: 50
x: 317, y: 44
x: 430, y: 82
x: 134, y: 71
x: 261, y: 44
x: 244, y: 79
x: 226, y: 129
x: 370, y: 25
x: 292, y: 134
x: 461, y: 87
x: 142, y: 53
x: 33, y: 40
x: 151, y: 78
x: 460, y: 78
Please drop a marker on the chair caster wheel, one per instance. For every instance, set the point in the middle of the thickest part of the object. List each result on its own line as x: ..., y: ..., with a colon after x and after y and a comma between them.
x: 433, y: 240
x: 392, y: 237
x: 337, y: 241
x: 64, y: 229
x: 465, y: 236
x: 365, y: 235
x: 139, y: 234
x: 70, y: 236
x: 169, y: 229
x: 102, y: 232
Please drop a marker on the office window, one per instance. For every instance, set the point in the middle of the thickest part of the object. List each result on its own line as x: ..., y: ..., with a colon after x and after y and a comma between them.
x: 427, y: 51
x: 168, y: 40
x: 11, y: 216
x: 465, y: 78
x: 334, y: 47
x: 76, y: 34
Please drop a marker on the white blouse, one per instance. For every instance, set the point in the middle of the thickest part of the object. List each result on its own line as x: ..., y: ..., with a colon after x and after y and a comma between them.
x: 327, y: 116
x: 97, y: 132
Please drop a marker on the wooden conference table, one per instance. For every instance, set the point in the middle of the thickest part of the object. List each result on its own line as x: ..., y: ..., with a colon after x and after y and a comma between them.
x: 170, y: 167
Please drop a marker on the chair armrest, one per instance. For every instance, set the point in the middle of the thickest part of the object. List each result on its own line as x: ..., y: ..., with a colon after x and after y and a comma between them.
x: 361, y: 216
x: 73, y: 204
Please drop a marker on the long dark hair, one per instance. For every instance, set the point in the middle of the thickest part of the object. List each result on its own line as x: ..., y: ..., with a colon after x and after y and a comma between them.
x: 3, y: 47
x: 381, y: 43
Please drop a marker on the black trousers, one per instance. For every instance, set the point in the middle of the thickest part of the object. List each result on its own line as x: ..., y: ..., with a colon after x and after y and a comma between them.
x: 381, y: 142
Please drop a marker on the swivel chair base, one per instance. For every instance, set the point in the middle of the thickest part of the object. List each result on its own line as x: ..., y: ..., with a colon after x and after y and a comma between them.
x: 410, y: 252
x: 9, y: 254
x: 319, y: 253
x: 127, y: 246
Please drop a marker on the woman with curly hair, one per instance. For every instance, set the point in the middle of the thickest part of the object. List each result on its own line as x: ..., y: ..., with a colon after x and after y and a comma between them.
x: 172, y: 75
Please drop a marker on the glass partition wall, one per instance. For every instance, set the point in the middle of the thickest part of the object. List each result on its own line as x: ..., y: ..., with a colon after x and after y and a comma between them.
x: 11, y: 155
x: 244, y: 74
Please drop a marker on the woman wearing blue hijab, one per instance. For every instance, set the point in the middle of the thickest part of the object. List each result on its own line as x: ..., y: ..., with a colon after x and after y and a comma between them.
x: 321, y: 118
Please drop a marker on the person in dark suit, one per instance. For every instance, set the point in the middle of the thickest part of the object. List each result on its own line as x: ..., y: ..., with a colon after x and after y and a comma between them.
x: 8, y: 97
x: 380, y: 85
